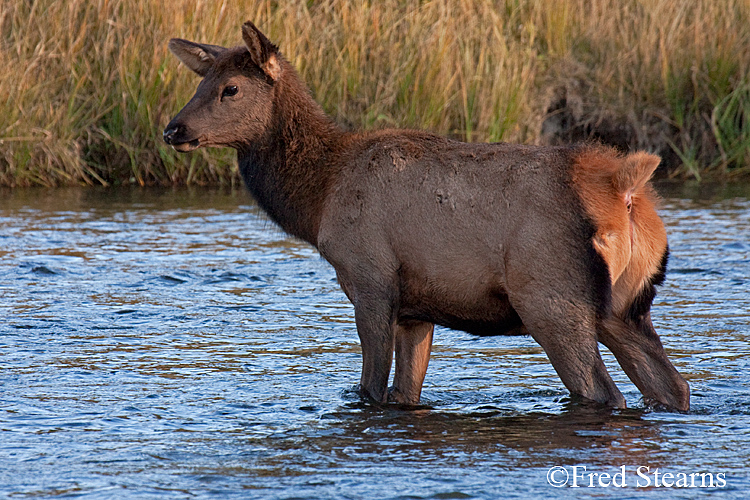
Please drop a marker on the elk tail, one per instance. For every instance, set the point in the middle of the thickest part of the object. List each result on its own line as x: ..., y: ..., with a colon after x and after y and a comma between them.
x: 633, y: 174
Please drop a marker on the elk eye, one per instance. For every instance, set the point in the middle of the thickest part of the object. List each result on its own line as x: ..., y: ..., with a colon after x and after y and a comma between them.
x: 229, y: 90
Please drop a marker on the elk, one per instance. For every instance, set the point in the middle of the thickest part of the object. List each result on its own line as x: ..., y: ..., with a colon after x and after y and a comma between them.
x: 561, y: 243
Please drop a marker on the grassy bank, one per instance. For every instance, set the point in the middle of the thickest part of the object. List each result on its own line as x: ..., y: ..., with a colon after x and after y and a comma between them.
x: 87, y: 86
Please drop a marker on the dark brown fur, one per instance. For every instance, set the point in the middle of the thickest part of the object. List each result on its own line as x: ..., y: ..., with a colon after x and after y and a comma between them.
x: 562, y: 243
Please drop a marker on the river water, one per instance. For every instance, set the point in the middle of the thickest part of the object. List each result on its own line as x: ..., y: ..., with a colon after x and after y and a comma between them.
x: 176, y: 344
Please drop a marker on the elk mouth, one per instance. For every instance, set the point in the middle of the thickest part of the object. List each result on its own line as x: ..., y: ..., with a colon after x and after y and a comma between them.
x: 186, y: 147
x: 174, y: 135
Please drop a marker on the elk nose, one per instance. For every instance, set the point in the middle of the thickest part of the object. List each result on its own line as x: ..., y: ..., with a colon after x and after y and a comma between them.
x: 170, y: 132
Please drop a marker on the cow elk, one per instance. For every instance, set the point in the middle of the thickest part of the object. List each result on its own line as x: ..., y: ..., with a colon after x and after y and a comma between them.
x: 560, y: 243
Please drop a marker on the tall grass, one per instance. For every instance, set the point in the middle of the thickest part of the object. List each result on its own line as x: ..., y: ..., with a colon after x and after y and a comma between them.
x: 87, y: 85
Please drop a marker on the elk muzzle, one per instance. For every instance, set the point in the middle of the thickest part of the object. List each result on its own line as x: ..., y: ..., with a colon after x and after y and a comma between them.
x: 176, y: 136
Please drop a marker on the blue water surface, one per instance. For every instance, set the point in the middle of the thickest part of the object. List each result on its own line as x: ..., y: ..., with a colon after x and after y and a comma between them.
x: 176, y: 344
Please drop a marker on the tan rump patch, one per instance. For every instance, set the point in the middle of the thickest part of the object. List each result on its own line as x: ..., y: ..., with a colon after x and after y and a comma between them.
x: 630, y: 236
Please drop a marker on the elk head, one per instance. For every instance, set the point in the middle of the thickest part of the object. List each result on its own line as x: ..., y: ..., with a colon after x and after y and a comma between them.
x: 233, y: 103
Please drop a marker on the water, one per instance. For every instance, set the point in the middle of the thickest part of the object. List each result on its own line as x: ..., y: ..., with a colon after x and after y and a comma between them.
x: 175, y: 344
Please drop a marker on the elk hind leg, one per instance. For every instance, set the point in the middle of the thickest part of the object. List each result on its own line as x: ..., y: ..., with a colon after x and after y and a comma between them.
x: 566, y: 330
x: 641, y: 355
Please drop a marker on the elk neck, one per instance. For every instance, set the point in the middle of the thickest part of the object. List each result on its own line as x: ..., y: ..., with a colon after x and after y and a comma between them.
x: 291, y: 168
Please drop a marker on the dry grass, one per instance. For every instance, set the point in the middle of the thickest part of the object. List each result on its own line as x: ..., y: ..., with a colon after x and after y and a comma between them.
x: 87, y: 86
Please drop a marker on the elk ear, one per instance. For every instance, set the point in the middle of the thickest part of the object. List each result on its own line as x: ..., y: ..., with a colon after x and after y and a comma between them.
x: 263, y: 53
x: 196, y: 56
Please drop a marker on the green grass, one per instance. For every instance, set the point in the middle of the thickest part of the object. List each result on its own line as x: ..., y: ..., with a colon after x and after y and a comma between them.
x: 87, y: 86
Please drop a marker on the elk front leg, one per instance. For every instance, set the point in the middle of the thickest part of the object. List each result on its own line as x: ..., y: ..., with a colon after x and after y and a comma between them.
x: 376, y: 335
x: 413, y: 345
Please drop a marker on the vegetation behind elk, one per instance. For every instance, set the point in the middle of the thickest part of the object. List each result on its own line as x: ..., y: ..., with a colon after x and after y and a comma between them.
x: 87, y: 86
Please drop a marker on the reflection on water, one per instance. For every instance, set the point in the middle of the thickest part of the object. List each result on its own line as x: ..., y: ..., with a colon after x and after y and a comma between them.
x: 175, y: 344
